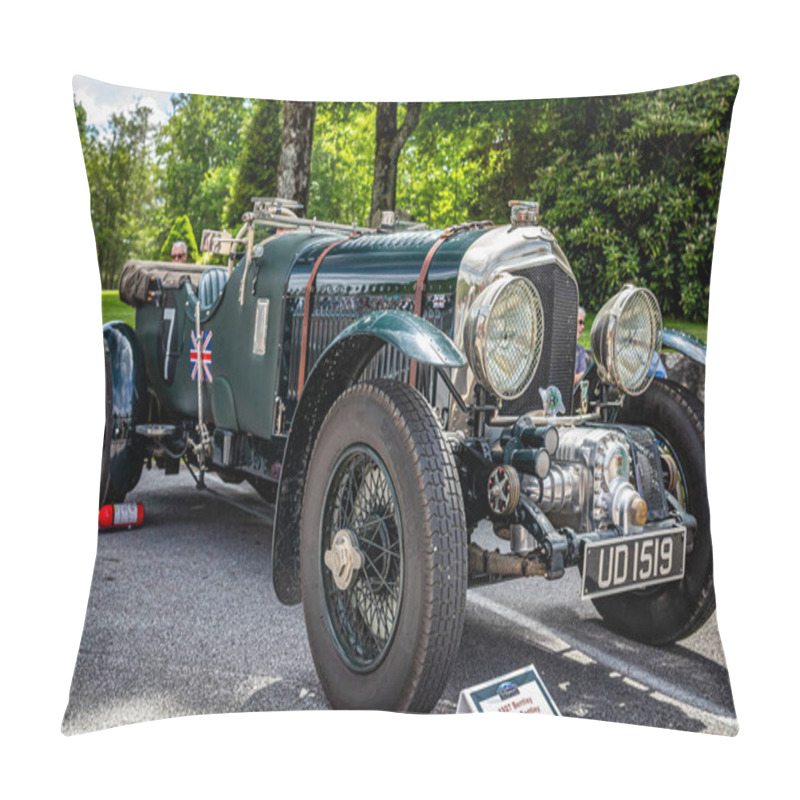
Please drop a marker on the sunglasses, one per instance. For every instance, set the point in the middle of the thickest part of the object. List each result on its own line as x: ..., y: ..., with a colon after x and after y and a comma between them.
x: 176, y: 256
x: 580, y: 322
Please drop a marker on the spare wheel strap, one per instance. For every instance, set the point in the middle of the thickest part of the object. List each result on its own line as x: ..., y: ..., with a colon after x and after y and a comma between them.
x: 307, y: 314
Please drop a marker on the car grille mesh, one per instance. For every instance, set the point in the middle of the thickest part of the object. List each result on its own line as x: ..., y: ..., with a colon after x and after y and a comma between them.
x: 647, y: 467
x: 331, y: 314
x: 559, y: 296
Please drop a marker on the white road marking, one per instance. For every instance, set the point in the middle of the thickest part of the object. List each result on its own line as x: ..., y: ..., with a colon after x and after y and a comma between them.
x: 661, y: 690
x: 540, y: 635
x: 581, y: 658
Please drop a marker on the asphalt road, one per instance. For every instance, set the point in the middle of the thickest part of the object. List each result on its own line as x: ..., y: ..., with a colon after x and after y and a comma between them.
x: 182, y: 619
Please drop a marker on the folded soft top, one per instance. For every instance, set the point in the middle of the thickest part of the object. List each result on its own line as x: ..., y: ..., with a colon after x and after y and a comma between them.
x: 136, y: 274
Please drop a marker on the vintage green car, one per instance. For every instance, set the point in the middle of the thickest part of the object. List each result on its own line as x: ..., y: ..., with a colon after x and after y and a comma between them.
x: 389, y: 390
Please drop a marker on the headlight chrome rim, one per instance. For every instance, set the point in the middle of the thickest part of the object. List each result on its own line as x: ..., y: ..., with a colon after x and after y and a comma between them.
x: 626, y: 334
x: 491, y: 328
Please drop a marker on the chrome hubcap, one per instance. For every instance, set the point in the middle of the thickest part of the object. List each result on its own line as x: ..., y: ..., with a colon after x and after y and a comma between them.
x: 344, y: 559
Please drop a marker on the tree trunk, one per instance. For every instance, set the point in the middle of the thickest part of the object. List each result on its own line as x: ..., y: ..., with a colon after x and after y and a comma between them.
x: 294, y: 167
x: 389, y: 142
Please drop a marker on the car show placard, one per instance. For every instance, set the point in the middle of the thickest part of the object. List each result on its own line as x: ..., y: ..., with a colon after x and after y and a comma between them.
x: 521, y: 692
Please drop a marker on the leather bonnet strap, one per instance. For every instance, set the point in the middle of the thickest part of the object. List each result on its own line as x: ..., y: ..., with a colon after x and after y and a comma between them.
x: 418, y: 291
x: 310, y: 287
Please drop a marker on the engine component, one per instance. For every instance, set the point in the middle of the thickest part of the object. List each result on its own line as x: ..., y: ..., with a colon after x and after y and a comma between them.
x: 532, y: 435
x: 503, y: 490
x: 628, y: 509
x: 535, y: 462
x: 484, y: 562
x: 521, y: 540
x: 590, y: 483
x: 559, y: 492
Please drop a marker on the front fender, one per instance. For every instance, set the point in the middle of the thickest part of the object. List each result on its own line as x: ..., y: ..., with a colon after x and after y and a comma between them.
x: 412, y: 335
x: 685, y: 344
x: 338, y: 368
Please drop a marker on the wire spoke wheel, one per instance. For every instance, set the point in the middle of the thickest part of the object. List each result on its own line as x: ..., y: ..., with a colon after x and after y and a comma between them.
x: 361, y: 500
x: 383, y: 551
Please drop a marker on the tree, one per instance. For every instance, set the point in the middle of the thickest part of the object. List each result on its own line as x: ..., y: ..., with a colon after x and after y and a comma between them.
x: 181, y: 231
x: 294, y: 166
x: 389, y: 142
x: 198, y: 149
x: 341, y: 162
x: 256, y: 171
x: 119, y: 169
x: 441, y: 166
x: 630, y: 185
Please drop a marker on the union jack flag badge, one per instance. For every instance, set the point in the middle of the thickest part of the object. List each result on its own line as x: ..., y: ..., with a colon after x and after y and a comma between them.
x: 201, y: 355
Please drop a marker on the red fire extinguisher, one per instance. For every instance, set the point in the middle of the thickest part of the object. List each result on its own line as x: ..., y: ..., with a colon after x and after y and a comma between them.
x: 121, y: 515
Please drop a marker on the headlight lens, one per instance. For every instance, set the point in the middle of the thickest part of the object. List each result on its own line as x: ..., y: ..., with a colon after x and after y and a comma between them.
x: 504, y: 334
x: 625, y: 336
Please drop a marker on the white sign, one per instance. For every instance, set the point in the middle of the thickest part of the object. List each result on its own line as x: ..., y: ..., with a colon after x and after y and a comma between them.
x: 520, y: 692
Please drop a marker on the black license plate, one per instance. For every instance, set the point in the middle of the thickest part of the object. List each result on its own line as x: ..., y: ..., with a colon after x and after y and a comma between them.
x: 633, y: 562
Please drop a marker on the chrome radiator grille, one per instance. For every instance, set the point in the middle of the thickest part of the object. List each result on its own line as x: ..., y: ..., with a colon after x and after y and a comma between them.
x: 559, y: 295
x: 330, y: 315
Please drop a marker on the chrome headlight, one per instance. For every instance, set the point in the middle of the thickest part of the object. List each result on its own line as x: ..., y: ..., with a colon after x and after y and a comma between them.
x: 625, y: 336
x: 503, y: 335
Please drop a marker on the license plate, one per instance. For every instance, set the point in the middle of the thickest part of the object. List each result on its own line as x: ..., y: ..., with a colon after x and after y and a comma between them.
x: 633, y: 562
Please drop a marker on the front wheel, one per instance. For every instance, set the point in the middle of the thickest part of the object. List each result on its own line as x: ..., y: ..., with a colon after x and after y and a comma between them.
x: 664, y: 614
x: 383, y: 554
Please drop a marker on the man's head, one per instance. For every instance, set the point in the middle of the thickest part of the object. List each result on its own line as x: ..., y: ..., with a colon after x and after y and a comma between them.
x: 581, y: 320
x: 179, y: 251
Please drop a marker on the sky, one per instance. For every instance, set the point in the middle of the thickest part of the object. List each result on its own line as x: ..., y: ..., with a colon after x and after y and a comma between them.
x: 101, y: 100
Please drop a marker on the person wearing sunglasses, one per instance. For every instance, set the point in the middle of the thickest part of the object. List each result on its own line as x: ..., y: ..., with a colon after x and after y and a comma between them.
x: 179, y: 252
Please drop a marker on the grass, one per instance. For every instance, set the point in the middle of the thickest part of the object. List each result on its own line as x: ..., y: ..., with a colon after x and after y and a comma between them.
x: 114, y: 308
x: 697, y: 329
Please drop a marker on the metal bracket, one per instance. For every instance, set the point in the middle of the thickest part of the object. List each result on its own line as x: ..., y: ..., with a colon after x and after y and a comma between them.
x: 554, y: 547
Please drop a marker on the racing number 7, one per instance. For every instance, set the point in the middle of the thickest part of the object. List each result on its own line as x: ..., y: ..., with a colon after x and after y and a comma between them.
x: 169, y: 316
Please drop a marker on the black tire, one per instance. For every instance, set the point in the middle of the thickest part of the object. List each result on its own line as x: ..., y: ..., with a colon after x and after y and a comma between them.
x: 126, y: 406
x: 382, y: 469
x: 664, y: 614
x: 105, y: 462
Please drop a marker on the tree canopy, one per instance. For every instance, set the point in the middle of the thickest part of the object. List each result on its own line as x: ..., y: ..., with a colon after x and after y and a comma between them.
x: 629, y: 184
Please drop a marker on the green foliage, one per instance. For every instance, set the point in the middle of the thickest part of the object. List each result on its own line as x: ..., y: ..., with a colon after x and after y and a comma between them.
x: 629, y: 185
x: 181, y: 231
x: 255, y: 172
x: 341, y: 162
x: 120, y: 171
x: 436, y: 173
x: 198, y: 148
